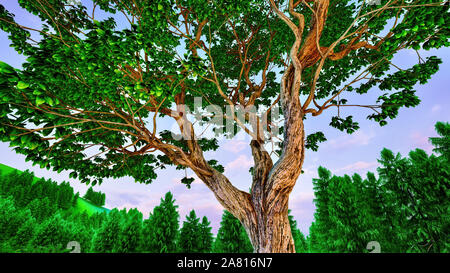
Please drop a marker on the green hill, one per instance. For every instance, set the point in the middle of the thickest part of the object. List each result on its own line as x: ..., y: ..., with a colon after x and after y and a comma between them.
x: 82, y: 204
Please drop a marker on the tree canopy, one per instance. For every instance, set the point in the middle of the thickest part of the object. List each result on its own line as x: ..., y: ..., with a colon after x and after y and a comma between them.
x: 90, y: 83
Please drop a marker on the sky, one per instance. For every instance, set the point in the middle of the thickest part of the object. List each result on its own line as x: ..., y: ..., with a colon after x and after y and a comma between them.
x: 341, y: 153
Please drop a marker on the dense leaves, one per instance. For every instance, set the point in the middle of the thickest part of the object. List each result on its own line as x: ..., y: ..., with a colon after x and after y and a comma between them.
x: 98, y: 198
x: 231, y: 237
x: 32, y: 222
x: 100, y: 81
x: 405, y: 209
x: 195, y: 236
x: 161, y: 228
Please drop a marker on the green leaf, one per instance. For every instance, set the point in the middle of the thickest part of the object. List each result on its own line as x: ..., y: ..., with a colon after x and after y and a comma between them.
x: 100, y: 31
x: 6, y: 68
x: 37, y: 92
x: 49, y: 101
x: 22, y: 85
x: 39, y: 101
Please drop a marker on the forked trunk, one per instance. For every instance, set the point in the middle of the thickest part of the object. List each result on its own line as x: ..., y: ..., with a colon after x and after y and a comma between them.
x: 272, y: 234
x: 264, y: 211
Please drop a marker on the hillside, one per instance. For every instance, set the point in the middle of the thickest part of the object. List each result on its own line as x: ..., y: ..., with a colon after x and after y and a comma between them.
x: 82, y: 204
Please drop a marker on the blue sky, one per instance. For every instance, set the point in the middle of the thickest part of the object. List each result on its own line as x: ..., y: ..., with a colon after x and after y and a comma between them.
x: 342, y: 153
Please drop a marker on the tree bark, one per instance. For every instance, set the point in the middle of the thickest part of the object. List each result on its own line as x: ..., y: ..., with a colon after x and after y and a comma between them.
x: 266, y: 221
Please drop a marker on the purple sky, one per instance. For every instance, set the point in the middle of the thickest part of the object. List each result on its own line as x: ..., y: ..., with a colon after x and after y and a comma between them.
x: 342, y: 153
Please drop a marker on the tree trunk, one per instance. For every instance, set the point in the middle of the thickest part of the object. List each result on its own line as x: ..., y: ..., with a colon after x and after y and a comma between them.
x: 272, y: 234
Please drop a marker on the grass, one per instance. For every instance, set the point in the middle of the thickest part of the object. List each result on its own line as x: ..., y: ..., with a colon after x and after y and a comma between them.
x: 82, y: 204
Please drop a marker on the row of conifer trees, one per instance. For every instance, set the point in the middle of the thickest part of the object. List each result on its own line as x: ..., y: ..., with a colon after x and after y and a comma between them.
x: 405, y: 209
x: 38, y: 215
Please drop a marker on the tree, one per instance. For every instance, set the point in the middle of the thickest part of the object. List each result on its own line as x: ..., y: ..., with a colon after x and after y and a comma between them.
x: 344, y: 220
x: 319, y: 230
x: 404, y: 210
x: 231, y: 237
x: 379, y: 213
x: 24, y: 234
x: 419, y: 188
x: 97, y: 198
x: 42, y: 209
x: 206, y: 236
x: 131, y: 232
x: 442, y: 143
x: 107, y: 86
x: 65, y: 195
x: 82, y: 234
x: 161, y: 228
x: 190, y: 234
x: 11, y: 218
x: 75, y: 199
x: 313, y: 239
x: 106, y: 238
x: 52, y: 235
x: 347, y: 210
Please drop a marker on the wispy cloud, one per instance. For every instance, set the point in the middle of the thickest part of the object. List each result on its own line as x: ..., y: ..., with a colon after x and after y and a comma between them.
x: 359, y: 138
x: 243, y: 162
x: 420, y: 140
x: 235, y: 146
x: 436, y: 108
x: 357, y: 167
x: 302, y: 208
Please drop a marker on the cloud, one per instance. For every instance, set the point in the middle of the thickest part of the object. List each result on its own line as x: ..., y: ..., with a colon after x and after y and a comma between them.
x: 302, y: 208
x: 310, y: 170
x: 359, y: 138
x: 420, y: 140
x: 143, y: 201
x: 436, y: 108
x: 302, y: 197
x: 357, y: 166
x: 241, y: 163
x: 235, y: 146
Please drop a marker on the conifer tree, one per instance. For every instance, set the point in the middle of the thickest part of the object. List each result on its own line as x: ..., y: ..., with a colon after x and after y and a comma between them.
x: 11, y: 218
x: 52, y: 235
x: 81, y: 234
x: 322, y: 224
x: 347, y: 213
x: 24, y: 235
x: 75, y: 199
x: 106, y: 237
x: 231, y: 237
x: 190, y: 240
x: 442, y: 144
x: 131, y: 232
x: 419, y: 189
x: 88, y: 194
x: 313, y: 239
x: 206, y: 236
x: 161, y: 228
